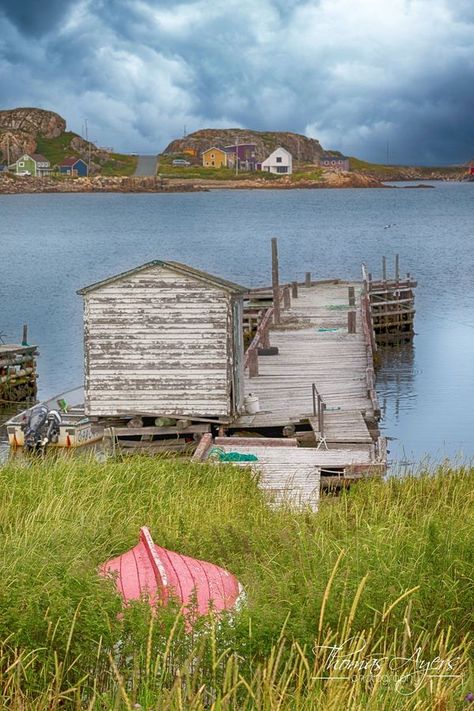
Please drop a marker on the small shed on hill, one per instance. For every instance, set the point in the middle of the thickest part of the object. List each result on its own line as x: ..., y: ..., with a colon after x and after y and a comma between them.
x: 163, y: 339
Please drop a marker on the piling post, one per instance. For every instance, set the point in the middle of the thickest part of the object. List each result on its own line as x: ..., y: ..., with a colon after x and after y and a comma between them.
x: 275, y: 282
x: 397, y: 268
x: 286, y: 297
x: 351, y: 321
x: 294, y: 289
x: 307, y: 279
x: 384, y: 268
x: 24, y: 340
x: 321, y: 424
x: 351, y: 291
x: 253, y: 363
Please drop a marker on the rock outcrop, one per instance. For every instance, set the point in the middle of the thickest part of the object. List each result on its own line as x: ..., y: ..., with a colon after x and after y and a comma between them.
x: 14, y: 143
x: 33, y: 121
x: 307, y: 150
x: 19, y: 129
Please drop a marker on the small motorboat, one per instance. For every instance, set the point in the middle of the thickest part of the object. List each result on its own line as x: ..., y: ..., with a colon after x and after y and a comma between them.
x: 58, y: 422
x: 159, y: 575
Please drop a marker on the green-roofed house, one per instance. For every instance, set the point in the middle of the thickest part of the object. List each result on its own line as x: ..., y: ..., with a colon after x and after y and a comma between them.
x: 164, y: 339
x: 34, y: 164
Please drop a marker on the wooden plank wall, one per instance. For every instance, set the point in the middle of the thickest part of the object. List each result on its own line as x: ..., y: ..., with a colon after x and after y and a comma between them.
x: 158, y: 343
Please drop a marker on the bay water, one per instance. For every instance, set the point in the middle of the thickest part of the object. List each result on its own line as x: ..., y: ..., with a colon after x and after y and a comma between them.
x: 52, y: 245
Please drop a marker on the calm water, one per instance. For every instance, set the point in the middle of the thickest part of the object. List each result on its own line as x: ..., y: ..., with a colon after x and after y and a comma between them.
x: 51, y: 245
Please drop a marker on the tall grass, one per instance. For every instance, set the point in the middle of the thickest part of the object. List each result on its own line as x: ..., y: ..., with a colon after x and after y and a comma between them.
x: 383, y: 571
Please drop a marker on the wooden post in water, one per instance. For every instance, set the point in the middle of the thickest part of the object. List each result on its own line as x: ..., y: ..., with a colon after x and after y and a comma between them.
x: 294, y: 289
x: 307, y: 279
x: 275, y: 282
x: 286, y: 297
x: 352, y: 300
x: 384, y: 268
x: 397, y: 268
x: 351, y: 321
x: 24, y: 340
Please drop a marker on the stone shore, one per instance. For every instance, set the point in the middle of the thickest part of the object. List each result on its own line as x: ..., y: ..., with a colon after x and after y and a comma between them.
x: 12, y: 184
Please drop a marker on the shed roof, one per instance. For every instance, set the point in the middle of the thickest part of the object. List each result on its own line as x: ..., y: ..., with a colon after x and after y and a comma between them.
x: 175, y: 266
x: 71, y: 161
x: 214, y: 148
x: 38, y: 158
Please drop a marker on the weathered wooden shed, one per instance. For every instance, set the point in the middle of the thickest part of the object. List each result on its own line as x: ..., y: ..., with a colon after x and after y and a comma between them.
x: 163, y: 339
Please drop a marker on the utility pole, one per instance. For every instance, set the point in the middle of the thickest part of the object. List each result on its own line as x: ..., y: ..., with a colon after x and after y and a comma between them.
x: 86, y: 131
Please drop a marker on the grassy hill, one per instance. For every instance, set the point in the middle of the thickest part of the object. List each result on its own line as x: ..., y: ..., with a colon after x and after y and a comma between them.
x: 70, y: 144
x: 384, y: 569
x: 404, y: 172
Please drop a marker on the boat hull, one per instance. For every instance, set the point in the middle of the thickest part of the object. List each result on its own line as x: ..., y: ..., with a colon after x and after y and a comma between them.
x: 75, y: 430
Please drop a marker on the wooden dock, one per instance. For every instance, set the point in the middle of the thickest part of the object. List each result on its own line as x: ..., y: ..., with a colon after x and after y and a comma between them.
x: 392, y: 305
x: 314, y: 347
x: 285, y: 372
x: 18, y: 371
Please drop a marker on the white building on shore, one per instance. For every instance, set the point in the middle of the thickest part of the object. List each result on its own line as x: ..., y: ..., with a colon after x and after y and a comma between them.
x: 280, y: 161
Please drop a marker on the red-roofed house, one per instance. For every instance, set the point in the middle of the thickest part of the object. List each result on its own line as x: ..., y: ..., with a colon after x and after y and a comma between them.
x: 74, y: 166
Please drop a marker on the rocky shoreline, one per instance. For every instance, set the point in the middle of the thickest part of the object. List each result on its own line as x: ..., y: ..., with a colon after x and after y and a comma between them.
x: 13, y: 184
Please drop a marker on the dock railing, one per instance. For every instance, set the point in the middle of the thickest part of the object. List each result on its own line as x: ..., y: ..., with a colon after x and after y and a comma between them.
x: 319, y: 408
x: 262, y: 336
x: 369, y: 339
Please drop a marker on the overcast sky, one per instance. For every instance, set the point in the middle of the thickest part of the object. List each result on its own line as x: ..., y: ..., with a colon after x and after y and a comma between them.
x: 362, y: 76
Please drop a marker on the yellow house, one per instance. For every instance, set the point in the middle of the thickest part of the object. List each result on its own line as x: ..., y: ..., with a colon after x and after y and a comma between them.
x: 214, y: 158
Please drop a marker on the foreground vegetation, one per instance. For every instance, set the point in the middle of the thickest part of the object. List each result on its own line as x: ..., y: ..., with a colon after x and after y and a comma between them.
x: 384, y: 571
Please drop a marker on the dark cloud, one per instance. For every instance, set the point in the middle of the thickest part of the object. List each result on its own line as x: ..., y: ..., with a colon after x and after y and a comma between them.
x: 356, y: 78
x: 36, y: 17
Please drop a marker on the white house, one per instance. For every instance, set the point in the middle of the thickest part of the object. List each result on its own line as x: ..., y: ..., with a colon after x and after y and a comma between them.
x: 280, y: 161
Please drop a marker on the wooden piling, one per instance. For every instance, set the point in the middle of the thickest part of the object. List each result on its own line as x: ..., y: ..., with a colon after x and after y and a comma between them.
x: 253, y: 363
x: 384, y: 268
x: 397, y: 267
x: 286, y: 298
x: 351, y: 291
x: 294, y: 289
x: 351, y: 321
x: 307, y: 279
x: 275, y: 282
x: 24, y: 340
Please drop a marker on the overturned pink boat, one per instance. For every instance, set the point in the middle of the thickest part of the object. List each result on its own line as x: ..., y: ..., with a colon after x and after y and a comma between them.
x: 147, y: 570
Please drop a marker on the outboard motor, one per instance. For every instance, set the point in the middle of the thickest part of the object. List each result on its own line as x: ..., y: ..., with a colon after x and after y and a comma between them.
x: 41, y: 428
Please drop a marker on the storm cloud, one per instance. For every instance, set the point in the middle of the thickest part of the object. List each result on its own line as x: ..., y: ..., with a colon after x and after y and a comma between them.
x: 369, y: 78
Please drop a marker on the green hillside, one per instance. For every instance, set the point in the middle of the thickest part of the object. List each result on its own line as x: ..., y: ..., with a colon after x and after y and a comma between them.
x: 57, y: 149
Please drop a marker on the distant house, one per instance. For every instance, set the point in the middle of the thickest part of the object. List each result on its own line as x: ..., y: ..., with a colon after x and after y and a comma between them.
x: 74, y: 166
x: 245, y: 153
x: 334, y: 162
x: 34, y: 164
x: 214, y: 158
x: 280, y: 161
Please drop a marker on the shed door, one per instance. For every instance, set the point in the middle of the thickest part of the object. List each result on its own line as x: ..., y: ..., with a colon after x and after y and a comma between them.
x: 238, y: 359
